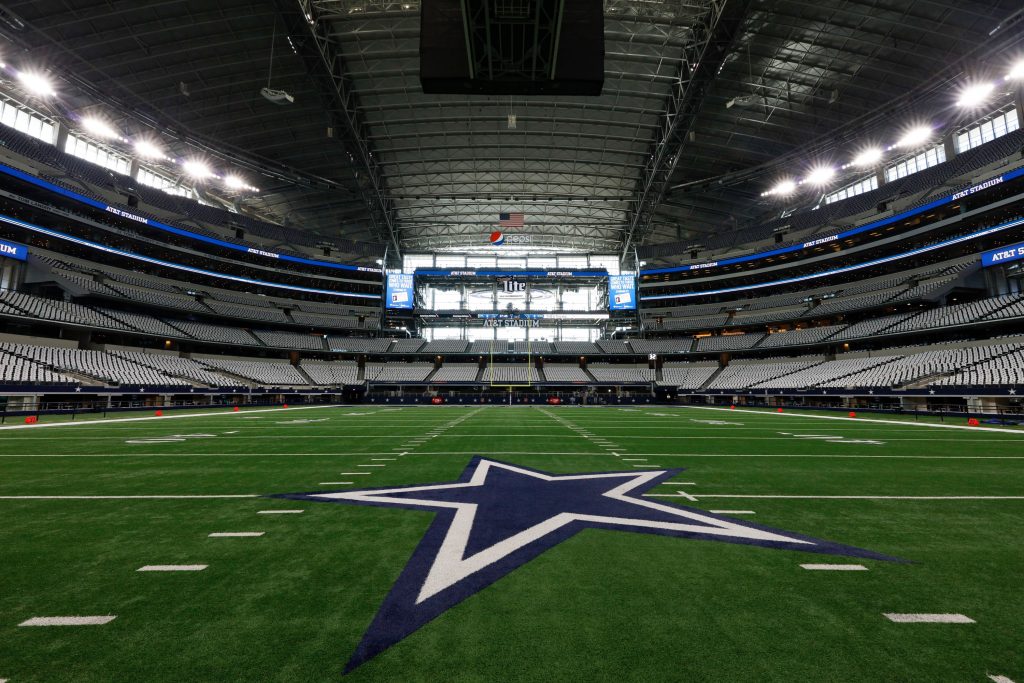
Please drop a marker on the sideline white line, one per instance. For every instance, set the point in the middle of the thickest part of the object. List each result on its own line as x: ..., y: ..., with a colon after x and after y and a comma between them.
x: 733, y: 512
x: 862, y: 419
x: 279, y: 512
x: 352, y: 474
x: 236, y: 534
x: 835, y: 567
x: 248, y: 454
x: 335, y: 483
x: 170, y: 497
x: 801, y: 497
x: 101, y: 422
x: 995, y: 678
x: 928, y: 618
x: 682, y: 494
x: 172, y: 568
x: 67, y: 621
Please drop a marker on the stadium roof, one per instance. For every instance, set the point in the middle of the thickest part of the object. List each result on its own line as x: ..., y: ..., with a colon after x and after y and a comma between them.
x: 705, y: 103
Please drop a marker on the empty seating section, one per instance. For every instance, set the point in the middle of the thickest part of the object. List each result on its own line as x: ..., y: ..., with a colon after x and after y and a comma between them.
x: 176, y: 366
x: 406, y: 345
x: 97, y: 364
x: 1002, y: 370
x: 357, y: 344
x: 72, y: 281
x: 1014, y: 310
x: 338, y: 373
x: 824, y: 373
x: 625, y: 374
x: 141, y: 281
x: 769, y: 317
x: 456, y: 372
x: 916, y: 366
x: 485, y: 346
x: 445, y: 346
x: 730, y: 342
x: 143, y: 323
x: 242, y: 299
x: 810, y: 335
x: 269, y: 373
x: 216, y: 333
x: 20, y: 370
x: 558, y: 372
x: 59, y: 311
x: 853, y: 303
x: 535, y: 348
x: 872, y: 326
x: 957, y: 314
x: 612, y: 346
x: 649, y: 346
x: 580, y: 348
x: 518, y: 373
x: 695, y: 324
x: 397, y: 372
x: 689, y: 376
x: 270, y: 315
x: 290, y: 340
x: 925, y: 290
x: 337, y: 322
x: 153, y: 297
x: 743, y: 375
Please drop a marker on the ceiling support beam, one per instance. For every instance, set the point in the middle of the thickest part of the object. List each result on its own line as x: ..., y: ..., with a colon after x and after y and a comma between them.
x: 327, y: 66
x: 703, y: 56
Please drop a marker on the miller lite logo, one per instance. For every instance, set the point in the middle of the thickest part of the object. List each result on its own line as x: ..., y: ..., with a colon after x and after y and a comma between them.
x: 511, y: 285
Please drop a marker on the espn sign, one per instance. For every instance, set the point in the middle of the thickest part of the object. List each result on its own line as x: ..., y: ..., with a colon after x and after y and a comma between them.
x: 13, y: 250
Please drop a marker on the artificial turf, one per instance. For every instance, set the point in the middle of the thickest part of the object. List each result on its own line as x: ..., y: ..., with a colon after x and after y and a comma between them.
x: 604, y: 605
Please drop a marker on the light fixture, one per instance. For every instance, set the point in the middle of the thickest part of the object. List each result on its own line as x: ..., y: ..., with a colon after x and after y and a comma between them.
x: 820, y: 175
x: 868, y: 157
x: 145, y: 148
x: 783, y: 188
x: 36, y: 83
x: 234, y: 182
x: 915, y: 136
x: 975, y: 95
x: 99, y: 127
x: 1016, y: 72
x: 197, y: 169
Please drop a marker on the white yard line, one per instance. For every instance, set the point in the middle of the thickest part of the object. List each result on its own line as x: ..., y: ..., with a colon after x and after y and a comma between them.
x: 733, y: 512
x: 236, y: 534
x: 476, y: 451
x: 221, y: 413
x: 928, y: 618
x: 68, y: 621
x: 279, y: 512
x: 172, y: 568
x: 861, y: 419
x: 835, y: 567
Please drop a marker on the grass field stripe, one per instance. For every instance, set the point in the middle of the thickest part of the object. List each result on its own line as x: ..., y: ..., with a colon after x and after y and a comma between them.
x: 221, y: 413
x: 336, y: 483
x: 992, y: 677
x: 651, y: 466
x: 631, y: 459
x: 172, y: 568
x: 383, y: 458
x: 352, y: 474
x: 475, y: 451
x: 861, y: 419
x: 68, y: 621
x: 371, y: 465
x: 279, y: 512
x: 733, y: 512
x: 835, y: 567
x: 900, y: 618
x: 883, y: 497
x: 236, y: 534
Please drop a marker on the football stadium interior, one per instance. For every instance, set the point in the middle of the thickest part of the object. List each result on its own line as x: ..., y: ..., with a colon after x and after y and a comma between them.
x: 547, y: 278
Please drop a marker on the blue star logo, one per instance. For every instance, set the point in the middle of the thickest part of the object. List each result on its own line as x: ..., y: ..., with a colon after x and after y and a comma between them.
x: 499, y: 516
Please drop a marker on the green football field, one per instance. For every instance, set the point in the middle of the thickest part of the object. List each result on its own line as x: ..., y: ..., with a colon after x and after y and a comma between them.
x: 85, y: 506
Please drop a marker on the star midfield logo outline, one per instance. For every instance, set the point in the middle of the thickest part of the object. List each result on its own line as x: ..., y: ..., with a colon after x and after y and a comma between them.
x: 498, y: 516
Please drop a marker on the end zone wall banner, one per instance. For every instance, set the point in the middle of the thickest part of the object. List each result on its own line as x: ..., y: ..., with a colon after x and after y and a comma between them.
x: 13, y: 250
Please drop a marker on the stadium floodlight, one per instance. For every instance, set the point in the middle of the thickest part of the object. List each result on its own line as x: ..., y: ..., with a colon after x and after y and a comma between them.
x: 197, y: 169
x: 99, y: 127
x: 36, y: 83
x: 915, y: 136
x: 235, y: 183
x: 147, y: 149
x: 868, y: 157
x: 783, y: 188
x: 820, y: 175
x: 1017, y: 72
x: 975, y: 95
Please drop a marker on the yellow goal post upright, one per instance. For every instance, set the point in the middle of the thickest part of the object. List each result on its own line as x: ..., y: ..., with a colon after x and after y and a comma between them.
x: 510, y: 387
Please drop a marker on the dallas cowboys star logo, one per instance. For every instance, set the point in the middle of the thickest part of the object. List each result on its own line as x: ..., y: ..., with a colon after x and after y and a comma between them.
x: 499, y: 516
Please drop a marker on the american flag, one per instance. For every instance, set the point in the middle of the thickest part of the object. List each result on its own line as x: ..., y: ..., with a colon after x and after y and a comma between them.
x: 510, y: 220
